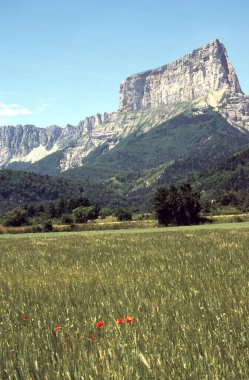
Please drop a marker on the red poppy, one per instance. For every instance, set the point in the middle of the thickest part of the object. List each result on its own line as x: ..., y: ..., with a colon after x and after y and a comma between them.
x: 24, y: 317
x: 129, y: 319
x: 120, y: 321
x: 100, y: 324
x: 57, y: 328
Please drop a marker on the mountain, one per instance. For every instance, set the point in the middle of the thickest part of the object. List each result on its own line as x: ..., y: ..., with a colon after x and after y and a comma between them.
x: 20, y: 188
x: 201, y: 79
x: 197, y: 74
x: 163, y: 155
x: 172, y: 123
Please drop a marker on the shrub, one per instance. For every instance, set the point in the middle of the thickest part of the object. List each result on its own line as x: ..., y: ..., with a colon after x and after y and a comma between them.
x: 47, y: 226
x: 66, y: 219
x: 15, y: 218
x: 83, y: 214
x: 36, y: 229
x: 123, y: 214
x: 104, y: 212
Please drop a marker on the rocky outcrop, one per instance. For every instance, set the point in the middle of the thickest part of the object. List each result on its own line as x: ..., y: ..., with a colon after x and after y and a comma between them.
x: 205, y: 70
x: 29, y: 144
x: 20, y: 141
x: 235, y: 109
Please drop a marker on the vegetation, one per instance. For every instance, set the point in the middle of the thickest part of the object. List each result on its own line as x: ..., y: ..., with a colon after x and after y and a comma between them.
x: 48, y: 165
x: 228, y: 176
x: 123, y: 214
x: 186, y: 291
x: 20, y: 188
x: 16, y: 217
x: 83, y: 214
x: 177, y: 205
x: 68, y: 210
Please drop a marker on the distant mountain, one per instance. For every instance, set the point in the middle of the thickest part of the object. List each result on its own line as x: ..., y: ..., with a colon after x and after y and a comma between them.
x: 202, y: 78
x: 20, y: 188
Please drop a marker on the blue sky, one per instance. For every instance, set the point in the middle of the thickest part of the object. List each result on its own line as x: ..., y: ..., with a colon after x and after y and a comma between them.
x: 63, y: 60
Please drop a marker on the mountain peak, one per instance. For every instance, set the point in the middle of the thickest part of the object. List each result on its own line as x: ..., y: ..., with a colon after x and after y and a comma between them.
x: 193, y: 76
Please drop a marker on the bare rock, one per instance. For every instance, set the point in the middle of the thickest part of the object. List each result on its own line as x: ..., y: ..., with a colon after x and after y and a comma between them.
x: 205, y: 70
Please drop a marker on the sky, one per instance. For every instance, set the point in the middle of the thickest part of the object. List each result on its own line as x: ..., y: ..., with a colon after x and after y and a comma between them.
x: 63, y: 60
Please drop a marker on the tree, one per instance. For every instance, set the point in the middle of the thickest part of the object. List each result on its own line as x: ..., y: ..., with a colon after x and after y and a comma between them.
x: 47, y: 226
x: 104, y: 212
x: 62, y: 207
x: 77, y: 202
x: 83, y: 214
x: 123, y: 214
x: 177, y: 205
x: 188, y: 206
x: 52, y: 210
x: 39, y: 209
x: 165, y: 205
x: 16, y: 217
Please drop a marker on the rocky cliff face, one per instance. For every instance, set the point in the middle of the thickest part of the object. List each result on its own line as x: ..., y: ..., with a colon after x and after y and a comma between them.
x: 18, y: 142
x: 205, y: 70
x: 29, y: 144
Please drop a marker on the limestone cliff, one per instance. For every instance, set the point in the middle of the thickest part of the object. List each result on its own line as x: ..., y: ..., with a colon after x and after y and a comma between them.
x: 205, y: 70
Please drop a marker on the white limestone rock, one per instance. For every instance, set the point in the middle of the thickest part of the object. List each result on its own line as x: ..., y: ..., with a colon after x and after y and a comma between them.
x: 205, y: 70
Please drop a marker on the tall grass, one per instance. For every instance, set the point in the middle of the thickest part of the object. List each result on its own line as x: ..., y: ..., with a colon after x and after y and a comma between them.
x: 187, y: 292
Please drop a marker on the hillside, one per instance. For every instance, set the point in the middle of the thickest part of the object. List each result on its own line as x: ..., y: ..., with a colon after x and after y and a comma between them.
x: 230, y: 175
x: 19, y: 188
x: 48, y: 165
x: 171, y: 152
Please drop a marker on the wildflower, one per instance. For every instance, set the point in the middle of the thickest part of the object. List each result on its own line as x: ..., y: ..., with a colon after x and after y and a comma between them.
x: 120, y: 321
x: 24, y: 317
x: 100, y: 324
x: 57, y: 328
x: 129, y: 319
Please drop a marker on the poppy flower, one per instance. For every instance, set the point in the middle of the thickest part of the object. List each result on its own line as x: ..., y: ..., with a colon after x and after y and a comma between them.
x: 100, y: 324
x: 24, y: 317
x: 120, y: 321
x: 57, y: 328
x: 129, y: 319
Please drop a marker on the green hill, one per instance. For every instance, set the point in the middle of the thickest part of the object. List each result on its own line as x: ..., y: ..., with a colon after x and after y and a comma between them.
x: 230, y: 175
x: 49, y: 165
x: 19, y: 188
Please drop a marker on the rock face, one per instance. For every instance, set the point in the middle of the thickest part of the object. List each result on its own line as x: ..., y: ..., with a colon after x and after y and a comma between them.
x: 20, y: 141
x: 29, y: 144
x: 205, y: 70
x: 235, y: 109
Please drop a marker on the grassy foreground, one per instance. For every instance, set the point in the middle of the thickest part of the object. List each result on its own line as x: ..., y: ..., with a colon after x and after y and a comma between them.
x: 187, y: 291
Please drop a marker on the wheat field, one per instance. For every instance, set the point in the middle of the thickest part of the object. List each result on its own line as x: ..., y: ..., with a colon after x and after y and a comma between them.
x: 185, y: 291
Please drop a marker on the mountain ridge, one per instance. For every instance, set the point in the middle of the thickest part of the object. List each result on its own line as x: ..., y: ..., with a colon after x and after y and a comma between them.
x: 203, y: 78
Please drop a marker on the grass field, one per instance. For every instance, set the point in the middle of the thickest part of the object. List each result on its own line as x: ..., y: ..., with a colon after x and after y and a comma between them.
x: 186, y: 288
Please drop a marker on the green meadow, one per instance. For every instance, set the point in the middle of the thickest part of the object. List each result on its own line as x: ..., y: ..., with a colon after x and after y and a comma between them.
x: 185, y: 288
